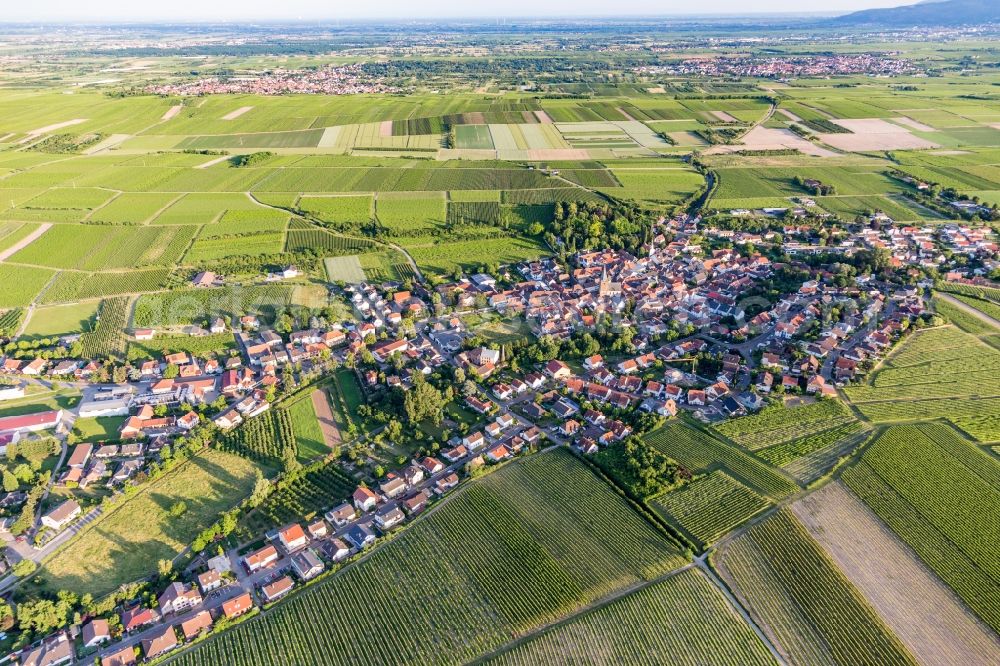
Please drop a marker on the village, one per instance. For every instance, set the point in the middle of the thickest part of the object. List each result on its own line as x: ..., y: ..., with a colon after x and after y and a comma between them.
x: 700, y: 339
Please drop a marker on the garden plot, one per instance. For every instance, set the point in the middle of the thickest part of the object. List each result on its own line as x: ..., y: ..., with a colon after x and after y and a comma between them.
x: 875, y: 134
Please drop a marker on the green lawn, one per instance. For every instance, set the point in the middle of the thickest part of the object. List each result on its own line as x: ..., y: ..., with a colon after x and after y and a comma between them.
x: 98, y: 429
x: 308, y: 435
x: 61, y: 320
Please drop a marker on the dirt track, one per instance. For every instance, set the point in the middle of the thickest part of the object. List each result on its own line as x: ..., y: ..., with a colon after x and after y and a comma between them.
x: 331, y: 434
x: 25, y: 242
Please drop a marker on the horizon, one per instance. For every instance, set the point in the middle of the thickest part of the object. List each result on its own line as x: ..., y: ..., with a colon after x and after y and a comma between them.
x: 109, y: 12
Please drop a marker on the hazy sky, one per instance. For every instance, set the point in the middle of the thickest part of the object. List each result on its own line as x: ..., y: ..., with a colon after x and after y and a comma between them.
x: 236, y: 10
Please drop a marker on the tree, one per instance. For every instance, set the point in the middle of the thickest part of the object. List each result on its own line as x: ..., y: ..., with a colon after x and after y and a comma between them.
x: 164, y: 568
x: 261, y: 489
x: 24, y: 568
x: 423, y: 401
x: 10, y: 483
x: 289, y: 460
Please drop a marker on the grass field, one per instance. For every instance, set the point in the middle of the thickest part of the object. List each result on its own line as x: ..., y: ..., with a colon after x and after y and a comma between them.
x: 120, y: 545
x: 682, y: 620
x: 582, y: 541
x: 308, y: 435
x: 803, y: 601
x: 61, y: 319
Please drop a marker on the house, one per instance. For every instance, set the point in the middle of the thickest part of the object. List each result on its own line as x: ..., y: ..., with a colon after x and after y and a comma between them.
x: 431, y: 465
x: 557, y: 369
x: 446, y: 483
x: 364, y: 499
x: 455, y: 454
x: 80, y: 456
x: 292, y: 537
x: 193, y: 627
x: 237, y: 606
x: 95, y: 632
x: 138, y: 617
x: 360, y: 536
x: 62, y: 515
x: 178, y: 597
x: 277, y: 589
x: 31, y: 422
x: 416, y: 502
x: 389, y: 516
x: 341, y: 515
x: 393, y: 486
x: 53, y: 651
x: 261, y: 558
x: 569, y: 428
x: 318, y: 529
x: 336, y: 549
x: 498, y: 453
x: 474, y: 441
x: 696, y: 397
x: 204, y: 279
x: 121, y: 657
x: 594, y: 362
x: 306, y: 564
x: 161, y: 642
x: 144, y: 333
x: 210, y: 580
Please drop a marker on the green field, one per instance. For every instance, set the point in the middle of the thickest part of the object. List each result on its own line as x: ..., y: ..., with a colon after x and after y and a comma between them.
x: 939, y: 494
x: 682, y: 620
x: 61, y: 320
x: 308, y: 435
x: 581, y: 539
x: 120, y: 545
x: 797, y: 592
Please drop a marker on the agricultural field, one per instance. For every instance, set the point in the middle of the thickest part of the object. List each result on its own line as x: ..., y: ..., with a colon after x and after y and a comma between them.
x: 582, y: 539
x: 701, y: 452
x: 107, y: 339
x: 805, y: 604
x: 304, y: 495
x: 264, y: 438
x: 939, y: 494
x: 681, y: 620
x: 119, y: 546
x: 189, y: 306
x: 202, y: 346
x: 309, y: 440
x: 934, y: 625
x: 709, y: 507
x: 61, y: 319
x: 938, y: 373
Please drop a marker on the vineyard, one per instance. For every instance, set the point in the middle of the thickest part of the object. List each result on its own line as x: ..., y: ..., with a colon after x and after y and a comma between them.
x: 807, y: 458
x: 778, y: 424
x: 709, y: 507
x: 941, y: 495
x: 108, y: 340
x: 934, y: 625
x: 324, y: 242
x: 261, y: 438
x: 938, y: 373
x: 201, y: 346
x: 681, y: 620
x: 10, y: 321
x: 303, y: 495
x: 700, y: 451
x: 799, y: 596
x: 510, y: 552
x: 966, y: 321
x: 188, y: 306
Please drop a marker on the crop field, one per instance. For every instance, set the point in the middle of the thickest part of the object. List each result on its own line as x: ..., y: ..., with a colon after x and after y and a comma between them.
x: 658, y: 186
x: 582, y: 540
x: 190, y: 306
x: 203, y: 346
x: 72, y: 285
x: 119, y: 546
x: 849, y: 207
x: 305, y: 495
x: 476, y: 137
x: 934, y: 625
x: 802, y: 600
x: 735, y: 183
x: 21, y: 284
x: 405, y: 215
x: 203, y: 208
x: 326, y: 242
x: 964, y: 320
x: 709, y: 507
x: 339, y: 210
x: 206, y: 249
x: 133, y: 207
x: 989, y: 308
x: 107, y: 339
x: 939, y: 373
x: 807, y: 458
x: 778, y: 424
x: 699, y: 451
x: 681, y: 620
x: 263, y: 438
x: 444, y: 256
x: 939, y: 494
